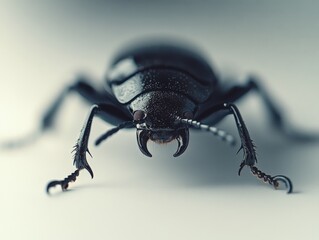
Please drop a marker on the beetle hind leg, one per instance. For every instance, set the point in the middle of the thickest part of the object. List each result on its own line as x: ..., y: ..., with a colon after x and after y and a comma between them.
x: 26, y: 140
x: 85, y: 89
x: 274, y: 111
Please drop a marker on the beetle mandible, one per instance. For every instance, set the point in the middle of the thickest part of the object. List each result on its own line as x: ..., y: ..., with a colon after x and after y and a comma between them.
x: 163, y: 90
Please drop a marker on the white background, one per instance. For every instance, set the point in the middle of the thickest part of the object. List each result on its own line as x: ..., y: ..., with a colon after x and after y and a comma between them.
x: 44, y: 45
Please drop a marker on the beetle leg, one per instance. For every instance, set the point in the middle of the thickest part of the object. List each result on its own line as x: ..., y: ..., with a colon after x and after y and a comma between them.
x: 63, y: 183
x: 81, y: 146
x: 87, y: 92
x: 274, y: 181
x: 250, y: 157
x: 248, y: 147
x: 275, y: 113
x: 80, y: 150
x: 90, y: 94
x: 110, y: 132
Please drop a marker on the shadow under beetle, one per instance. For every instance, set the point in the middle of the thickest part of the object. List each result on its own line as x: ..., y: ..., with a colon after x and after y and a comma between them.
x: 162, y: 90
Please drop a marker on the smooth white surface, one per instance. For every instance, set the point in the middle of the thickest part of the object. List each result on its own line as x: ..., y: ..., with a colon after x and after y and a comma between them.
x: 43, y: 46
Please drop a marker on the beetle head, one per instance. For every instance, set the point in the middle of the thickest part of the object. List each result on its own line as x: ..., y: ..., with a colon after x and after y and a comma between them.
x: 149, y: 128
x: 155, y: 115
x: 163, y: 136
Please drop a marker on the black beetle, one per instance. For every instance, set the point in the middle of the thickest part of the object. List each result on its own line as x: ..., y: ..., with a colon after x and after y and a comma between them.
x: 162, y: 90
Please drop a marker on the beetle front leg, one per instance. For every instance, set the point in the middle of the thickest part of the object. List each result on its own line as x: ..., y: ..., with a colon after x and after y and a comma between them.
x: 250, y: 157
x: 247, y: 145
x: 80, y: 150
x: 249, y: 149
x: 65, y: 182
x: 81, y: 146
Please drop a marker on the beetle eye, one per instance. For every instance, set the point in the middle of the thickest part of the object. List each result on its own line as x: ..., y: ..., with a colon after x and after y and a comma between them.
x: 139, y: 115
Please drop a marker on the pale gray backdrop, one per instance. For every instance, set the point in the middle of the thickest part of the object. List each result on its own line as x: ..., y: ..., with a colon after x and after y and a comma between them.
x: 44, y: 45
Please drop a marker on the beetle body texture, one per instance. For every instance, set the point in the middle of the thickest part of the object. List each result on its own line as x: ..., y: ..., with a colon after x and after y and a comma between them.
x: 163, y: 90
x: 148, y: 72
x: 165, y: 82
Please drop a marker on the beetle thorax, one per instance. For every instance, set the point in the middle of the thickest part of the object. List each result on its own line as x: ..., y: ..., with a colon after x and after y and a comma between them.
x: 162, y: 109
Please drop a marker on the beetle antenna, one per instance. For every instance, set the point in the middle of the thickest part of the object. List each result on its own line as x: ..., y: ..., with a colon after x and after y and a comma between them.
x: 274, y: 181
x: 110, y: 132
x: 224, y: 136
